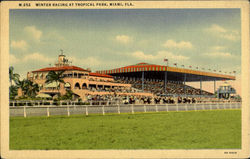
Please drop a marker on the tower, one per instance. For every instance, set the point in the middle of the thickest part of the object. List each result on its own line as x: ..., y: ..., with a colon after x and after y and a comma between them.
x: 62, y: 61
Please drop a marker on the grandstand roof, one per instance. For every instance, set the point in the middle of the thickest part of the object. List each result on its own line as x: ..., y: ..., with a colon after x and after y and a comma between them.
x: 173, y: 73
x: 62, y: 68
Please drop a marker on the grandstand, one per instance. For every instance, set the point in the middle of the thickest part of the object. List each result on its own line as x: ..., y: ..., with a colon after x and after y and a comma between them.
x: 160, y: 79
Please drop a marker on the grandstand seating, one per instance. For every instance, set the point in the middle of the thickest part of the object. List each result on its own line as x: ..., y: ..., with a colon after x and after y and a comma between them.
x: 157, y: 86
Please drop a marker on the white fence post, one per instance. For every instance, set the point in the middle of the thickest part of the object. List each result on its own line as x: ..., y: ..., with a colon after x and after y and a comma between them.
x: 118, y: 105
x: 167, y: 107
x: 186, y: 107
x: 144, y: 106
x: 177, y: 109
x: 156, y: 107
x: 68, y: 110
x: 217, y: 105
x: 230, y: 105
x: 195, y: 106
x: 103, y: 112
x: 87, y: 113
x: 48, y: 111
x: 24, y: 111
x: 203, y: 106
x: 132, y: 108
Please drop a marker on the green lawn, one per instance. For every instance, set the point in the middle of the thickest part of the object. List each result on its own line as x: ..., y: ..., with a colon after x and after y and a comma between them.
x: 165, y: 130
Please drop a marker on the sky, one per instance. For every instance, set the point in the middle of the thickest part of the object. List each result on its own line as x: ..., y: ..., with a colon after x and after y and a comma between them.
x: 110, y: 38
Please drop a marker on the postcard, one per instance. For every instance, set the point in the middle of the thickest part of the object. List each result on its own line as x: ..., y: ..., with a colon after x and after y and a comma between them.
x: 124, y: 79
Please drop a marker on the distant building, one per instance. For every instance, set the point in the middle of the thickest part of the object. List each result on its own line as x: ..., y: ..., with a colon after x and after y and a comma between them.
x: 225, y: 91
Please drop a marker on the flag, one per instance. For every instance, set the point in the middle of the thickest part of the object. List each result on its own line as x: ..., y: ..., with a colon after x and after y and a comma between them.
x: 165, y: 60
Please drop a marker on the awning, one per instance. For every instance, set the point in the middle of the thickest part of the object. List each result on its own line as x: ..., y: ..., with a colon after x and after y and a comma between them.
x: 42, y: 95
x: 52, y: 85
x: 67, y: 84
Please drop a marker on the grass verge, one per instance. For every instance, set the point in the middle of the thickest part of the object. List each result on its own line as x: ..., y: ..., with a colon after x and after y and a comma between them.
x: 164, y: 130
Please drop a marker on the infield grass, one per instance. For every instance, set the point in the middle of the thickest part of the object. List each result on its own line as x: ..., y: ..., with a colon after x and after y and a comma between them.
x: 217, y: 129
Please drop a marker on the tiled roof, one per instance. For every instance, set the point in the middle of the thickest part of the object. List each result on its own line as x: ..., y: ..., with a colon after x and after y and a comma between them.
x: 100, y: 75
x: 62, y: 68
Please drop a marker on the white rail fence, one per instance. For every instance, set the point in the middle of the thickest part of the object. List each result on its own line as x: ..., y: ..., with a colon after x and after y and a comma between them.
x: 45, y: 110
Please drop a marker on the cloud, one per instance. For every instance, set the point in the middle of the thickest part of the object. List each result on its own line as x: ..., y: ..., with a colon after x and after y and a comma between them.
x: 13, y: 59
x: 180, y: 45
x: 142, y: 56
x: 33, y: 32
x: 219, y: 52
x: 22, y: 45
x: 218, y: 48
x: 219, y: 55
x: 88, y: 62
x: 55, y: 35
x: 216, y: 30
x: 159, y: 56
x: 123, y: 39
x: 37, y: 57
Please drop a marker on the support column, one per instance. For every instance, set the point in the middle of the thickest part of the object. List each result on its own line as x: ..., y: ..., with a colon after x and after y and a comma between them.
x: 165, y: 81
x: 185, y: 83
x: 142, y: 81
x: 201, y: 86
x: 214, y: 86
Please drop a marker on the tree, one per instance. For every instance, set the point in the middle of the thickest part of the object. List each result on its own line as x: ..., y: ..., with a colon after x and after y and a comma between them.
x: 31, y: 88
x: 13, y: 92
x: 67, y: 96
x: 55, y: 77
x: 13, y: 76
x: 28, y: 87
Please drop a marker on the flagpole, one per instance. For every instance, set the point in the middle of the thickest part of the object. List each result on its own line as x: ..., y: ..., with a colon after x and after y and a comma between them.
x: 166, y: 78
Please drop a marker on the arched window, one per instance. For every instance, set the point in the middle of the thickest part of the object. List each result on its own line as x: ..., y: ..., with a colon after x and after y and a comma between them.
x: 77, y: 86
x: 84, y: 86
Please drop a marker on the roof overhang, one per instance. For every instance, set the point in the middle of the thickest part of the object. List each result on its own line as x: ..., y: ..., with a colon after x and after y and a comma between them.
x: 173, y: 73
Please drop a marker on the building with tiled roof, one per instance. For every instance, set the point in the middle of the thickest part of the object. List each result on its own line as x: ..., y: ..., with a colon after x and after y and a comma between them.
x: 80, y: 81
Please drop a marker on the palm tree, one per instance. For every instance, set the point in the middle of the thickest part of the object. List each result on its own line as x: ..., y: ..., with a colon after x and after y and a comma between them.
x: 32, y: 88
x: 13, y: 76
x: 55, y: 77
x: 28, y: 87
x: 13, y: 92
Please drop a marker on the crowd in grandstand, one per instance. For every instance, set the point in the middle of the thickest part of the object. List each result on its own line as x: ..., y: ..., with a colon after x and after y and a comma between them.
x: 157, y: 86
x: 115, y: 89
